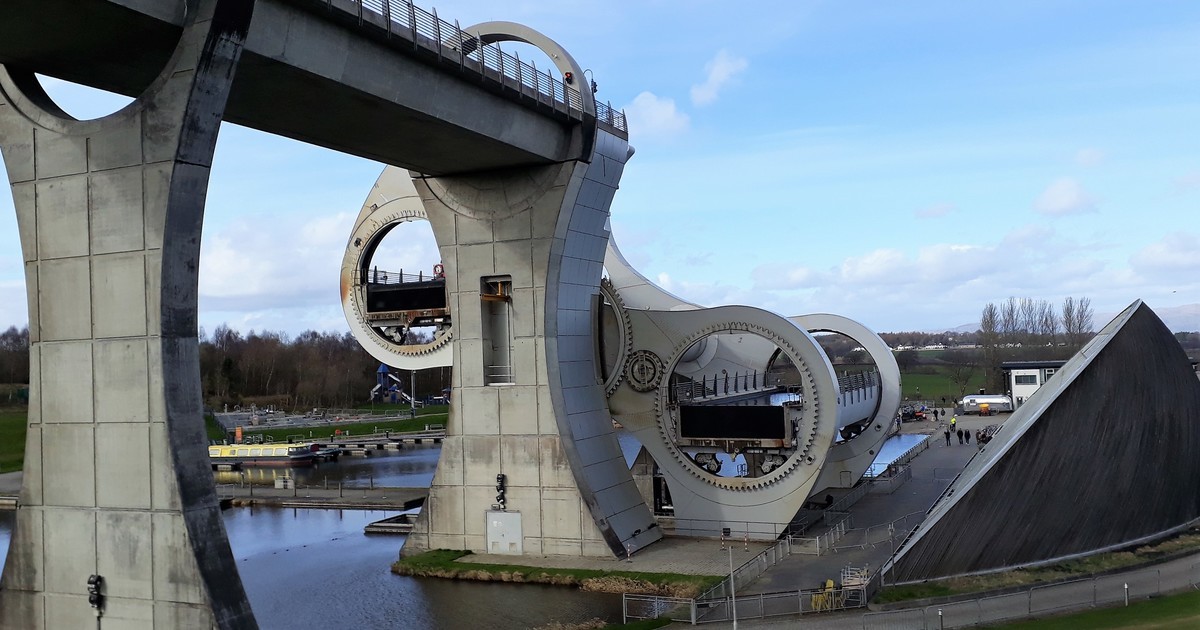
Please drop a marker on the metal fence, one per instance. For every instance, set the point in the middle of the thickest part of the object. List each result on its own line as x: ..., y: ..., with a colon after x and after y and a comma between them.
x: 754, y: 606
x: 426, y: 30
x: 1105, y: 590
x: 817, y: 545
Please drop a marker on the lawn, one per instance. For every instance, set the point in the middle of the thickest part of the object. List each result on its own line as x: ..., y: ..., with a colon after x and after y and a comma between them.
x: 368, y: 427
x: 1165, y: 613
x: 932, y: 382
x: 13, y: 423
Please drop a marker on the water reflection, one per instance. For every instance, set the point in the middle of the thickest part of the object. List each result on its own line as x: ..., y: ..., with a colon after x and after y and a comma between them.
x: 306, y: 568
x: 311, y: 568
x: 412, y: 467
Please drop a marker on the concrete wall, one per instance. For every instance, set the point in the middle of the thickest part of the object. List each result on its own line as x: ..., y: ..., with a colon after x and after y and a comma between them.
x: 546, y: 426
x: 116, y: 480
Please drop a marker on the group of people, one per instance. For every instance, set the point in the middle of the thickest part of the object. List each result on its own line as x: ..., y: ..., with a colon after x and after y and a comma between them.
x: 964, y: 435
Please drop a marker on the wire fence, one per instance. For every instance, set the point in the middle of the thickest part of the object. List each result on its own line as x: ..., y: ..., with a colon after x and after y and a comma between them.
x: 425, y: 30
x: 1106, y: 590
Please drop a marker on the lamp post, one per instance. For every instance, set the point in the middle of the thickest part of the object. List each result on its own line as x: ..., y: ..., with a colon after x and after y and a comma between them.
x: 412, y: 393
x: 732, y: 589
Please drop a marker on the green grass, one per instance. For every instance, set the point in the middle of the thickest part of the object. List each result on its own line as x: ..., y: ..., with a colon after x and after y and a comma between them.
x: 1176, y: 611
x: 13, y: 424
x: 213, y: 428
x: 444, y: 563
x: 427, y: 410
x: 1189, y: 540
x: 933, y: 382
x: 355, y: 428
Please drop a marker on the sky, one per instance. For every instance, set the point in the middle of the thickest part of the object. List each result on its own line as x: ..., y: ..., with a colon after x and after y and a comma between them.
x: 901, y: 164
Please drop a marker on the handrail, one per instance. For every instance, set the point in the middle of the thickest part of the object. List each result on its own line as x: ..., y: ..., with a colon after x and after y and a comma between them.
x: 451, y: 43
x: 379, y: 276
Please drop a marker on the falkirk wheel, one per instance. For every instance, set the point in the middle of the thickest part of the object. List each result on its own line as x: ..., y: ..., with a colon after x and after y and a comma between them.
x: 739, y: 408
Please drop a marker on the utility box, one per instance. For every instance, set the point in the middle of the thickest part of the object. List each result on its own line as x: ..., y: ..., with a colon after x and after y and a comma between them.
x: 504, y: 532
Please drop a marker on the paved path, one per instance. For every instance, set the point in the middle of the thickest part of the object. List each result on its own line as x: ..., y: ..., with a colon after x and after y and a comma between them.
x: 688, y: 556
x: 933, y: 470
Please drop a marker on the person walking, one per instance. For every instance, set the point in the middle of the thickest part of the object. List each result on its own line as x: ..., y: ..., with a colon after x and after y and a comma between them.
x: 960, y: 436
x: 967, y: 436
x: 954, y: 423
x: 947, y: 427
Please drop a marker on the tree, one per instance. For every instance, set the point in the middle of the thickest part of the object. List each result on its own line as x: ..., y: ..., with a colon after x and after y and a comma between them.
x: 962, y: 369
x: 1077, y: 319
x: 907, y: 359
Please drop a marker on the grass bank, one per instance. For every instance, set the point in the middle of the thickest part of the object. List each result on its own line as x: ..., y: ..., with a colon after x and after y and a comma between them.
x: 443, y: 563
x: 367, y: 427
x: 1165, y: 613
x: 1188, y: 541
x: 13, y: 424
x: 932, y: 382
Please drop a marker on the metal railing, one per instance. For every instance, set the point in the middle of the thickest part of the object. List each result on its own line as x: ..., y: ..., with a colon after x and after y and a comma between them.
x: 382, y: 276
x: 424, y: 29
x: 904, y: 459
x: 723, y: 384
x: 716, y: 604
x: 1104, y: 590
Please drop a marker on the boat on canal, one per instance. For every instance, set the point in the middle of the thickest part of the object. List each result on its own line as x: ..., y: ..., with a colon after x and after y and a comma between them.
x: 238, y: 455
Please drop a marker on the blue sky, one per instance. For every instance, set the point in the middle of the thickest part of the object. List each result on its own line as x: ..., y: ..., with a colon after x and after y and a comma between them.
x: 898, y: 163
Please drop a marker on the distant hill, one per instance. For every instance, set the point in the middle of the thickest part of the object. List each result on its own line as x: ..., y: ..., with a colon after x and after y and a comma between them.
x: 1184, y: 318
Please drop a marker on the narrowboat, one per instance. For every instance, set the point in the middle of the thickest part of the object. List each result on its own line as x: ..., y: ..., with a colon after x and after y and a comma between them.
x: 304, y: 454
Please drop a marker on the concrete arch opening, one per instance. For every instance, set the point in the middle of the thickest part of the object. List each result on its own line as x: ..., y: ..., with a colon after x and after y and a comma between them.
x: 80, y: 101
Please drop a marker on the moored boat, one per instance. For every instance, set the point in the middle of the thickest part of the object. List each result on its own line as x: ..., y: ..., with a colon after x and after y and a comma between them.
x: 304, y: 454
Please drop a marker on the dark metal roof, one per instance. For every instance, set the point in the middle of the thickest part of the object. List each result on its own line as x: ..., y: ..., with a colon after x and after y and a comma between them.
x: 1030, y: 365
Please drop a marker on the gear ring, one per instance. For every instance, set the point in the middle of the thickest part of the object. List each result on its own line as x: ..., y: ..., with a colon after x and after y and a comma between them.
x: 805, y: 443
x: 644, y: 371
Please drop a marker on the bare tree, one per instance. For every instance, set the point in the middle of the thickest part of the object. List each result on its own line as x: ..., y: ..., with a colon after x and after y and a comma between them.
x: 1077, y: 320
x: 1028, y: 318
x: 1048, y: 322
x: 1010, y: 319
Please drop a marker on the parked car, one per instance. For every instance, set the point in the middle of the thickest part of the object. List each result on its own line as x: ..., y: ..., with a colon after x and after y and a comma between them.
x: 909, y: 413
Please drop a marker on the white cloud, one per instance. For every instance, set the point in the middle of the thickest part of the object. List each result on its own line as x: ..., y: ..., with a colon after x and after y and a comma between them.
x: 652, y: 115
x: 1064, y: 196
x: 935, y: 211
x: 1177, y: 253
x: 1090, y: 156
x: 268, y: 261
x: 720, y: 69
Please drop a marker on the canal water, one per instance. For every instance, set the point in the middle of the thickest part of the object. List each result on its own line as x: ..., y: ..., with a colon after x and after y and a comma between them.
x: 308, y: 568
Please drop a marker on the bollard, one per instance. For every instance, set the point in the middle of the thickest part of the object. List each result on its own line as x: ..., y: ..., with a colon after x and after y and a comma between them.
x: 372, y: 481
x: 326, y: 482
x: 339, y: 489
x: 941, y: 620
x: 1127, y: 593
x: 746, y: 542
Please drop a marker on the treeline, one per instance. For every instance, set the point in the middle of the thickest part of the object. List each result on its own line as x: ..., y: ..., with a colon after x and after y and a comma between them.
x: 14, y: 355
x: 314, y: 370
x: 1022, y: 329
x: 265, y: 368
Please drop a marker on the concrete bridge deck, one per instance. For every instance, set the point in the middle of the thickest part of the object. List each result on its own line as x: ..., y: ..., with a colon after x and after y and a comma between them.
x: 349, y: 79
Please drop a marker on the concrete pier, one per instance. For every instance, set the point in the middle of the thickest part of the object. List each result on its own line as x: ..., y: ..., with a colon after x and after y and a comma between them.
x: 117, y: 482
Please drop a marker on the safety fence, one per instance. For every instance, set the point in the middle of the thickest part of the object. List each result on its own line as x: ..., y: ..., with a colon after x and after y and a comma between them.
x: 752, y: 606
x: 877, y: 470
x: 400, y: 18
x: 817, y: 545
x: 888, y: 484
x: 1105, y: 590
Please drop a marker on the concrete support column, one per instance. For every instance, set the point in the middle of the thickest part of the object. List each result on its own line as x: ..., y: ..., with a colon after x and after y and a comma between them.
x: 117, y: 481
x: 527, y: 399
